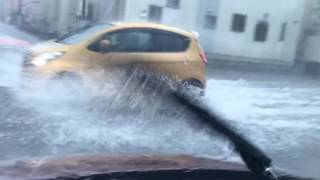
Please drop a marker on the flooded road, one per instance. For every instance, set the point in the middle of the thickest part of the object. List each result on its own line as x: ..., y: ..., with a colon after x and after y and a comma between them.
x: 280, y: 113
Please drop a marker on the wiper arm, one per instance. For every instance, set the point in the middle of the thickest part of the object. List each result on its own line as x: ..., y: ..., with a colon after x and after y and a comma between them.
x: 256, y: 160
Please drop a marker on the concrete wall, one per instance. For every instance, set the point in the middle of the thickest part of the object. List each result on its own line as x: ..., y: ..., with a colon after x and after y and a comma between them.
x: 227, y: 42
x: 5, y: 8
x: 184, y: 17
x: 62, y: 16
x: 310, y: 42
x: 112, y: 10
x: 43, y: 16
x: 59, y: 16
x: 207, y: 36
x: 222, y: 42
x: 312, y: 46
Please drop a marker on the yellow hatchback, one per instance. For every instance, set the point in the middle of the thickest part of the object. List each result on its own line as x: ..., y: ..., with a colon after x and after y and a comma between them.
x: 169, y: 51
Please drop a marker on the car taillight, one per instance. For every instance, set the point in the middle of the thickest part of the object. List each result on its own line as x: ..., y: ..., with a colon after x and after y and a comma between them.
x: 204, y: 58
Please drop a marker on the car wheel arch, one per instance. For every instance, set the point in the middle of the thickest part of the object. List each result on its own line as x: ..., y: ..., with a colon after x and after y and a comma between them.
x: 193, y: 82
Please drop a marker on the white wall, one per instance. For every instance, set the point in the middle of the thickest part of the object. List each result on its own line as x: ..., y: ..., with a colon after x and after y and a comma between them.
x: 191, y: 16
x: 48, y: 21
x: 312, y: 52
x: 58, y: 16
x: 222, y: 41
x: 231, y: 43
x: 184, y: 17
x: 4, y: 10
x: 207, y: 36
x: 106, y: 9
x: 138, y: 10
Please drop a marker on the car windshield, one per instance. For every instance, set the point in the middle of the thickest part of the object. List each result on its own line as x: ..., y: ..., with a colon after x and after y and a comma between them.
x: 82, y: 34
x: 87, y: 77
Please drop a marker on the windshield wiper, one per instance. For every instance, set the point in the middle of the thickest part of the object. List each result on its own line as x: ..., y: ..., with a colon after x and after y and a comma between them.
x: 255, y: 159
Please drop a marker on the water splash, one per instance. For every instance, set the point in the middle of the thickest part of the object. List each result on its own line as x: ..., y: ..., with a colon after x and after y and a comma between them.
x: 11, y: 59
x: 98, y: 116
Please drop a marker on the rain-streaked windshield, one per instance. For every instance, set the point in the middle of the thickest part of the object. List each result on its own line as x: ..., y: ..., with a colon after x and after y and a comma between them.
x: 67, y: 89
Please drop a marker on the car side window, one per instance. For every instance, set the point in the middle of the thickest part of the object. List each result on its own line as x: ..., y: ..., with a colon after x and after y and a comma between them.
x: 130, y: 41
x: 95, y: 46
x: 125, y: 41
x: 164, y: 41
x: 143, y: 40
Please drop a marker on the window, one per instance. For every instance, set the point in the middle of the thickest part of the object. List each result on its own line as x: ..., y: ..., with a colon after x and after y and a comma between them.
x: 163, y: 41
x: 144, y: 40
x: 283, y: 32
x: 155, y: 13
x: 210, y: 21
x: 173, y: 4
x: 129, y: 41
x: 239, y: 22
x: 261, y: 31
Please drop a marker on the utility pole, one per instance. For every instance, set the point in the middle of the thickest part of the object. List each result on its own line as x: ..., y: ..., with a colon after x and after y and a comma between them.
x: 20, y: 7
x: 84, y: 7
x: 2, y: 11
x: 19, y: 15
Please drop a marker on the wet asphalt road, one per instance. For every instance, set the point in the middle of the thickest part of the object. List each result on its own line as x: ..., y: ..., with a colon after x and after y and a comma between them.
x: 278, y: 112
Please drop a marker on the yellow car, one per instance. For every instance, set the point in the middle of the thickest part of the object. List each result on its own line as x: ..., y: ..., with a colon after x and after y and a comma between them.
x: 169, y: 51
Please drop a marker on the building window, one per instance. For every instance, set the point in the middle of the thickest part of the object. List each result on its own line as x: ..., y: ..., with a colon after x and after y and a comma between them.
x: 173, y: 4
x: 283, y: 32
x: 155, y: 13
x: 239, y: 22
x: 261, y: 31
x: 210, y: 21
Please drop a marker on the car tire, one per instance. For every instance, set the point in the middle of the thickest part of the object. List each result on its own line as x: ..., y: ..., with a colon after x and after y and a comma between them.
x: 193, y: 85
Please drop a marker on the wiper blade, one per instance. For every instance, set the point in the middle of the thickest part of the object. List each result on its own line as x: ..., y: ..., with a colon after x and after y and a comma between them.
x: 256, y: 160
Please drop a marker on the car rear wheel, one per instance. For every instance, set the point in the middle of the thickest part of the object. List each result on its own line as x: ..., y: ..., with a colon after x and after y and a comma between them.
x: 193, y: 86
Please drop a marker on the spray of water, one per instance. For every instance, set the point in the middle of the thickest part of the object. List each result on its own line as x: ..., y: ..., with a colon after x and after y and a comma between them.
x: 10, y: 66
x: 280, y: 117
x: 101, y: 113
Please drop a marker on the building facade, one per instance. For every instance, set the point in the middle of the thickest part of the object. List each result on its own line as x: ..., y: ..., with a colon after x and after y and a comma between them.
x: 243, y: 30
x: 258, y: 30
x: 54, y: 17
x: 4, y: 11
x: 8, y: 8
x: 310, y: 42
x: 263, y: 31
x: 57, y: 17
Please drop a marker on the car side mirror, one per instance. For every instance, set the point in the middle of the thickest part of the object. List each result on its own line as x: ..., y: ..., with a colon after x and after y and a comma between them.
x: 105, y: 45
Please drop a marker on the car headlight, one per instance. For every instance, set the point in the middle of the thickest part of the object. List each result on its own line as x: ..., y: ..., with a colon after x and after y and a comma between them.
x: 43, y: 59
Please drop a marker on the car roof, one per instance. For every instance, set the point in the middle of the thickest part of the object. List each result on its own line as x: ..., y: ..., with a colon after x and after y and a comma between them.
x: 153, y: 26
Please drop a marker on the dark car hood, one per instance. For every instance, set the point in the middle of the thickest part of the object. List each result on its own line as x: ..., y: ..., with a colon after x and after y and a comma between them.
x: 81, y: 166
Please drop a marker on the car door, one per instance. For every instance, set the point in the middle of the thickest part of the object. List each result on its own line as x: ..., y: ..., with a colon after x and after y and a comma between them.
x: 122, y: 50
x: 167, y: 53
x: 128, y: 49
x: 98, y: 57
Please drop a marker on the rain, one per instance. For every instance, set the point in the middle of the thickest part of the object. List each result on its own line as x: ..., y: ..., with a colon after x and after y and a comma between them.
x: 264, y: 84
